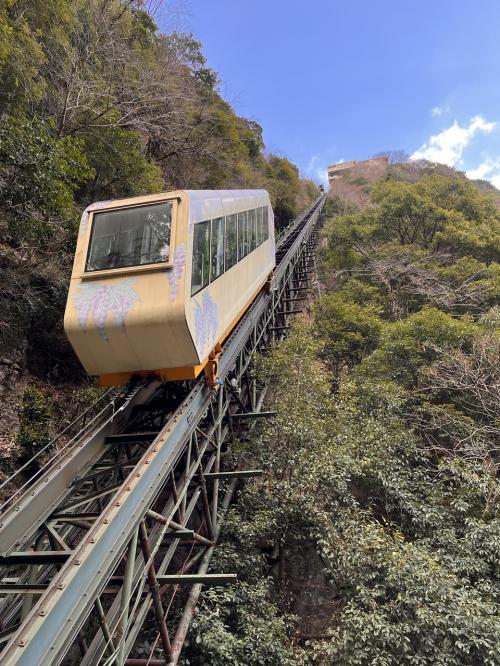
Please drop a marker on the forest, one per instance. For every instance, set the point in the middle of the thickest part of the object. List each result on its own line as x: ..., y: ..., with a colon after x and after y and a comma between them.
x: 373, y: 536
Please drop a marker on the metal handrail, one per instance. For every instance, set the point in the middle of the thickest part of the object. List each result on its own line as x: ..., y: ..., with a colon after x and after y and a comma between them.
x: 54, y: 441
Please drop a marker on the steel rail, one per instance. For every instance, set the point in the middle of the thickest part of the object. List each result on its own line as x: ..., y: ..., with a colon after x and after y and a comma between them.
x: 164, y: 477
x: 284, y: 233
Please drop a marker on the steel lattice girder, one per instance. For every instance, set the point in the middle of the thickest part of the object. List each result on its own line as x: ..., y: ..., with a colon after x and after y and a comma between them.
x: 48, y: 491
x: 74, y: 591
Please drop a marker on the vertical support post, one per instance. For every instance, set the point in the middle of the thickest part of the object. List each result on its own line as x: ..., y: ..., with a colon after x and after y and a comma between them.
x: 32, y: 576
x: 189, y: 607
x: 154, y: 588
x: 96, y: 488
x: 249, y: 390
x: 218, y: 438
x: 273, y: 318
x: 104, y: 625
x: 254, y: 389
x: 175, y: 495
x: 125, y: 600
x: 188, y: 465
x: 82, y: 644
x: 203, y: 486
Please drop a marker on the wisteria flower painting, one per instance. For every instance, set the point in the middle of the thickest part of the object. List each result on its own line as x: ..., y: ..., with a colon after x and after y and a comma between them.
x: 206, y: 321
x: 98, y: 301
x: 175, y: 273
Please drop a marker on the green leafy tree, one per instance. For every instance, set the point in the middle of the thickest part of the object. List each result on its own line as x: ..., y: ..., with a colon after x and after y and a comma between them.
x: 455, y: 193
x: 350, y: 329
x: 406, y: 215
x: 413, y: 343
x: 38, y: 176
x: 480, y: 240
x: 120, y: 166
x: 284, y: 188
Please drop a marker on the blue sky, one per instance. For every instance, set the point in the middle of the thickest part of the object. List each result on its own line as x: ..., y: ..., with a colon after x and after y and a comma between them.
x: 331, y: 80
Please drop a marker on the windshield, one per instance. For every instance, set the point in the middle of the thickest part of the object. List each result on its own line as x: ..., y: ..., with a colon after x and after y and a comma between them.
x: 130, y: 237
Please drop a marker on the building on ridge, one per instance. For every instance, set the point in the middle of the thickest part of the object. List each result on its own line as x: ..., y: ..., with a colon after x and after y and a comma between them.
x: 336, y: 171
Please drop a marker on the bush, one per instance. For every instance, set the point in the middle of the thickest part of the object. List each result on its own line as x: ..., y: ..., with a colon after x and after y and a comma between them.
x: 35, y: 423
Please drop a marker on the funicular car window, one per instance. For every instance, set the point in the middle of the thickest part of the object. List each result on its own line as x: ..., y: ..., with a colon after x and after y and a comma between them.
x: 220, y: 243
x: 231, y: 240
x: 217, y: 248
x: 242, y: 235
x: 265, y: 222
x: 260, y: 235
x: 127, y: 237
x: 252, y: 229
x: 201, y: 257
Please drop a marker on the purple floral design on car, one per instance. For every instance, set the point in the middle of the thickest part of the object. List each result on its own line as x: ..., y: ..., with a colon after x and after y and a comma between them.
x: 206, y: 322
x: 97, y: 301
x: 174, y: 274
x: 85, y: 216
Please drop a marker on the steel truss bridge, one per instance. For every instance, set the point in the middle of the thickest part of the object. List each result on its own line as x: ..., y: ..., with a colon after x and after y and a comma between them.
x: 106, y: 536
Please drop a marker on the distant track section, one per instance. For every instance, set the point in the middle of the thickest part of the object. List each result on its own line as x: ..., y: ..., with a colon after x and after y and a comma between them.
x: 111, y: 534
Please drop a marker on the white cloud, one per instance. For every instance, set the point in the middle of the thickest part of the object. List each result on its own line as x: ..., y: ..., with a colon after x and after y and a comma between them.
x: 487, y: 170
x: 439, y: 111
x: 483, y: 169
x: 317, y: 171
x: 447, y: 146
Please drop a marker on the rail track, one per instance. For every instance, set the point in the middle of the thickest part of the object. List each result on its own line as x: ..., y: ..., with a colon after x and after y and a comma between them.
x: 111, y: 532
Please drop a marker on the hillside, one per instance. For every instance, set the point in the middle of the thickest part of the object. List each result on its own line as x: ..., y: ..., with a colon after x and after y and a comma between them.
x: 353, y: 187
x: 373, y: 537
x: 96, y: 103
